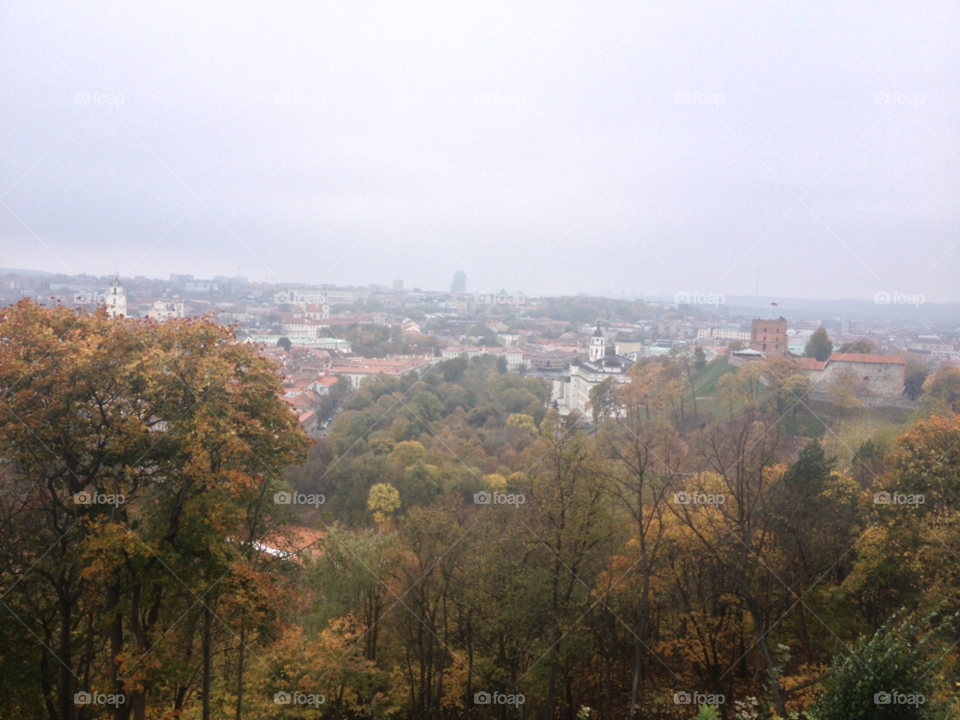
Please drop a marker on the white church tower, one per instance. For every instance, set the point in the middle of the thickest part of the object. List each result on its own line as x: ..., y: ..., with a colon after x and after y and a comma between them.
x: 116, y: 300
x: 598, y: 345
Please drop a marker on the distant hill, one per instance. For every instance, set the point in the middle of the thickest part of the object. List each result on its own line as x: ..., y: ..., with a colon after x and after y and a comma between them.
x: 29, y: 273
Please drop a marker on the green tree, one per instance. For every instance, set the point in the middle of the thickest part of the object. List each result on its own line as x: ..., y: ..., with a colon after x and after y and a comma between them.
x: 699, y: 358
x: 913, y: 379
x: 897, y: 659
x: 284, y: 344
x: 862, y: 346
x: 819, y: 345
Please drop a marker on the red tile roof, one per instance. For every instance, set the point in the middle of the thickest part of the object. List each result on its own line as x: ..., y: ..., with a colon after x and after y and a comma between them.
x: 880, y: 359
x: 810, y: 364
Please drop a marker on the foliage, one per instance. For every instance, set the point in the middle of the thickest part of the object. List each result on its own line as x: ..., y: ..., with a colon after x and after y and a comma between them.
x: 941, y: 391
x: 818, y: 345
x: 862, y: 346
x: 896, y: 659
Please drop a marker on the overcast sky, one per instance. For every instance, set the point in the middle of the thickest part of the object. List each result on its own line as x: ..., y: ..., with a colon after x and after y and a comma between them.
x: 801, y: 149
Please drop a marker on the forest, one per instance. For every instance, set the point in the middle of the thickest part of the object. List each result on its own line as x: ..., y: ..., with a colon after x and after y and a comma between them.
x: 708, y: 543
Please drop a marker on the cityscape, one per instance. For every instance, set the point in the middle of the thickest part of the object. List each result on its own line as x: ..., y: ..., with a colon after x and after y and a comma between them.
x: 480, y: 361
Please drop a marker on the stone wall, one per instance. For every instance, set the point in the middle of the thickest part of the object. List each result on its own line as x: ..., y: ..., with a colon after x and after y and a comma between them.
x: 876, y: 379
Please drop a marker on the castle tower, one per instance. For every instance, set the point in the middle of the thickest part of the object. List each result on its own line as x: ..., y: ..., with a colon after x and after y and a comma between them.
x: 116, y: 299
x: 598, y: 345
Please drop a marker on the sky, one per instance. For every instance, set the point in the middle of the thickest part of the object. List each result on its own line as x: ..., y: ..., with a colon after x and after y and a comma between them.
x: 802, y: 149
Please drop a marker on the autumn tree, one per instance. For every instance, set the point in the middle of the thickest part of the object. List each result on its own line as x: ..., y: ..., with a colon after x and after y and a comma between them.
x: 941, y: 391
x: 142, y: 457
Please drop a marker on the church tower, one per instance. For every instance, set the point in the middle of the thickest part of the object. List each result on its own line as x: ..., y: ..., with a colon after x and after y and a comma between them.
x: 116, y: 299
x: 598, y: 345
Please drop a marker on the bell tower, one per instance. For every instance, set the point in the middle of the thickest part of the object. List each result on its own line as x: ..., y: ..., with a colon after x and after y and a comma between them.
x: 598, y: 345
x: 116, y: 299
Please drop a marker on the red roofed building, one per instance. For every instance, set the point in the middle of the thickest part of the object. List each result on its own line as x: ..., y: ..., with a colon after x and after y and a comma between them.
x: 293, y: 542
x: 880, y: 375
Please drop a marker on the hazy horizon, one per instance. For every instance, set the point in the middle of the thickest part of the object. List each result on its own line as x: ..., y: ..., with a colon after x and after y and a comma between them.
x: 793, y: 151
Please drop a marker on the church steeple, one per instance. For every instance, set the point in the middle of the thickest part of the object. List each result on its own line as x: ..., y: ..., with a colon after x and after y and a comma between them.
x: 598, y: 345
x: 116, y: 299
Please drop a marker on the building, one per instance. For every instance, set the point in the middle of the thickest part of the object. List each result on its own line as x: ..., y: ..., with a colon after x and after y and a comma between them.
x: 572, y: 391
x: 459, y: 282
x: 166, y: 308
x: 769, y: 337
x: 728, y: 334
x: 116, y: 300
x: 878, y: 375
x: 396, y: 366
x: 514, y: 357
x: 398, y: 285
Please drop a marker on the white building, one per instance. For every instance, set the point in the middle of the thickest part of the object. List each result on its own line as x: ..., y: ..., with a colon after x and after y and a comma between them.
x: 166, y: 308
x: 572, y: 391
x: 116, y: 300
x: 715, y: 333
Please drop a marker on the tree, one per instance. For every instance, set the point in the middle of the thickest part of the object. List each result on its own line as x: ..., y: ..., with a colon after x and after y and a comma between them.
x: 182, y: 423
x: 699, y: 358
x: 913, y: 379
x: 819, y: 345
x: 284, y: 343
x: 602, y: 400
x: 844, y: 392
x: 742, y: 386
x: 384, y: 499
x: 941, y: 391
x: 788, y: 383
x: 897, y: 659
x: 862, y: 346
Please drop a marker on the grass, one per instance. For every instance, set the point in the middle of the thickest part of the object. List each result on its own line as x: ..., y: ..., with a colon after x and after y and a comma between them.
x: 808, y: 419
x: 705, y: 381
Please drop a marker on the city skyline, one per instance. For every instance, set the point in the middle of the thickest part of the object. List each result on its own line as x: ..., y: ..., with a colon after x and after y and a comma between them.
x: 688, y: 152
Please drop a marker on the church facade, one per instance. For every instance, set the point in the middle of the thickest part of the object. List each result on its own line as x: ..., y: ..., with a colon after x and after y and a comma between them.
x: 571, y: 392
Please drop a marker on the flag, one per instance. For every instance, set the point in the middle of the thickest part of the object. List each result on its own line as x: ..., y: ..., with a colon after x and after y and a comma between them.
x: 774, y: 302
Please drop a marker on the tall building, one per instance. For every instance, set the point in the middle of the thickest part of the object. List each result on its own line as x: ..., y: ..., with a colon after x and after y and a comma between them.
x: 769, y: 337
x: 459, y: 282
x: 116, y: 300
x: 398, y: 285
